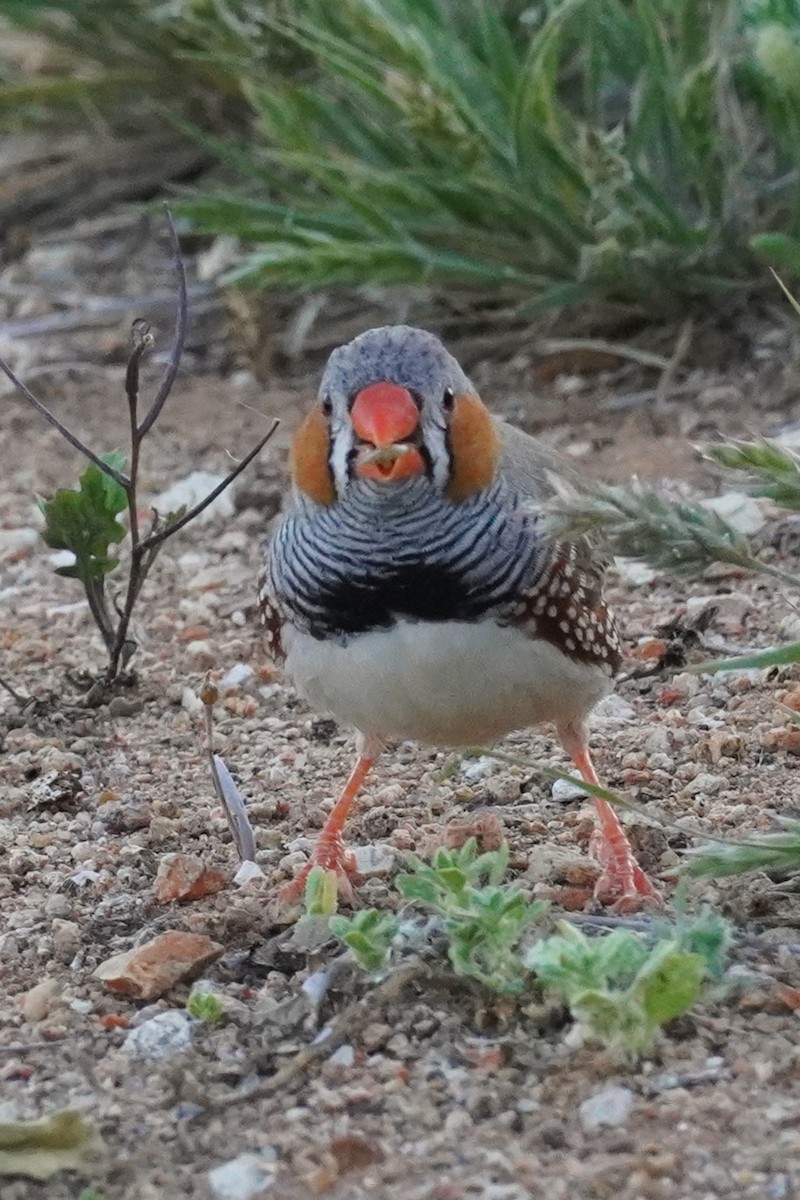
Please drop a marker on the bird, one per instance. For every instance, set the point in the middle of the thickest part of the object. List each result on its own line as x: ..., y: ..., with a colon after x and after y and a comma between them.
x: 412, y: 590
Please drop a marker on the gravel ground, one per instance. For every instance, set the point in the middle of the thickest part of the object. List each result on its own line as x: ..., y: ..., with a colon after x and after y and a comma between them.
x: 437, y: 1089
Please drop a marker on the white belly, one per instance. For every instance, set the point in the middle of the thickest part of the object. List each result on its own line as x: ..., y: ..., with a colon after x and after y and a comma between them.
x: 445, y: 684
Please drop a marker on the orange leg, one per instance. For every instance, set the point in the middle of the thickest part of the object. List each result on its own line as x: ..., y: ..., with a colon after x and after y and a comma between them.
x: 623, y: 880
x: 330, y: 851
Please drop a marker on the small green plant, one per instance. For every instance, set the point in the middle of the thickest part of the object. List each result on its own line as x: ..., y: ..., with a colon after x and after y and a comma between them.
x: 90, y: 1194
x: 484, y: 919
x: 369, y: 936
x: 619, y: 989
x: 85, y: 520
x: 321, y: 894
x: 205, y: 1006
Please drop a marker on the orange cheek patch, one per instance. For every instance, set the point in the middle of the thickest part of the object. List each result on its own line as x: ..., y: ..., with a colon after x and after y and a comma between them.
x: 308, y: 458
x: 475, y: 447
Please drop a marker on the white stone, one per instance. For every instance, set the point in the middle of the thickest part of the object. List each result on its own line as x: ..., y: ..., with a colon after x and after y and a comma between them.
x: 243, y: 1178
x: 613, y: 710
x: 238, y: 674
x: 190, y: 491
x: 633, y: 572
x: 191, y: 702
x: 730, y: 606
x: 374, y: 859
x: 705, y: 784
x: 161, y: 1037
x: 611, y: 1106
x: 14, y: 541
x: 475, y: 769
x: 563, y: 791
x: 737, y: 509
x: 247, y: 872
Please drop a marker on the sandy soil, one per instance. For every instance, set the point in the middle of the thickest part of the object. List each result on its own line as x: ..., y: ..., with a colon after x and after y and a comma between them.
x: 438, y: 1090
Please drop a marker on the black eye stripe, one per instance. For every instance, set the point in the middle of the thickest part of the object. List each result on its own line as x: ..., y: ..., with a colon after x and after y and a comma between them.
x: 448, y: 398
x: 327, y: 406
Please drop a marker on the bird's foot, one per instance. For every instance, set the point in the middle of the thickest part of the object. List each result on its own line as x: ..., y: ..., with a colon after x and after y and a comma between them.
x: 332, y: 855
x: 622, y: 885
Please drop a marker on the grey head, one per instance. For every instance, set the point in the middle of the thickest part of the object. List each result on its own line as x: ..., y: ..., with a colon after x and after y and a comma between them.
x: 399, y: 354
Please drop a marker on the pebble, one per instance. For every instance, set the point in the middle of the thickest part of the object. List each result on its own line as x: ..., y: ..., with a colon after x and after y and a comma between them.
x: 36, y: 1002
x: 738, y: 510
x: 563, y: 791
x: 633, y: 572
x: 611, y: 1106
x: 66, y: 939
x: 243, y: 1178
x: 480, y: 768
x: 185, y: 877
x: 191, y: 702
x: 16, y: 541
x: 150, y: 970
x: 705, y: 784
x: 729, y: 606
x: 613, y: 710
x: 247, y: 872
x: 190, y: 491
x: 374, y: 859
x: 161, y: 1037
x: 238, y: 674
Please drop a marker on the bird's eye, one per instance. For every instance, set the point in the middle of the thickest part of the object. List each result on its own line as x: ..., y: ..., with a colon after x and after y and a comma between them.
x: 448, y: 399
x: 327, y: 406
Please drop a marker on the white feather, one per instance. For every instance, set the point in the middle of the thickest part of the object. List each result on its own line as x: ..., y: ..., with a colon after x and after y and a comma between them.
x: 448, y: 683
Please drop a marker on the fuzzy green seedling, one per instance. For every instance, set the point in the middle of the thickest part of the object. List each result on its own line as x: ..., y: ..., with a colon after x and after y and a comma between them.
x: 321, y: 894
x: 205, y: 1006
x: 483, y: 918
x: 617, y: 987
x: 368, y: 936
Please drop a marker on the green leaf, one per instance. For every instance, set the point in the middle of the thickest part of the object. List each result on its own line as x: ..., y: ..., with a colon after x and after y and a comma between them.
x: 40, y: 1149
x: 669, y: 982
x: 84, y: 521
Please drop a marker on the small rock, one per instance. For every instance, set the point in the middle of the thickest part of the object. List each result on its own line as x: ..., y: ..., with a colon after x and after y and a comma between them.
x: 66, y: 939
x: 633, y: 572
x: 480, y: 768
x: 238, y: 674
x: 247, y: 872
x: 611, y: 1106
x: 738, y: 510
x: 202, y: 654
x: 729, y: 606
x: 15, y: 543
x: 345, y: 1056
x: 563, y: 790
x: 374, y: 860
x: 243, y: 1178
x: 191, y: 702
x: 184, y: 877
x: 149, y: 971
x: 354, y: 1152
x: 36, y: 1002
x: 613, y: 710
x: 161, y: 1037
x: 123, y: 706
x: 190, y: 491
x: 705, y: 784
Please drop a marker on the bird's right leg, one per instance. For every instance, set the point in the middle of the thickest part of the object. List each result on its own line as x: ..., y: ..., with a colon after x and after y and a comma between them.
x: 330, y: 851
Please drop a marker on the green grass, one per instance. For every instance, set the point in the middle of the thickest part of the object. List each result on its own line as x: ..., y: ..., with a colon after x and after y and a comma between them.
x: 644, y: 152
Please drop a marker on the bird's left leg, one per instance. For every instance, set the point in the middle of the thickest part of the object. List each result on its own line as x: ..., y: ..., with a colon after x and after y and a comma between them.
x: 622, y: 881
x: 329, y: 850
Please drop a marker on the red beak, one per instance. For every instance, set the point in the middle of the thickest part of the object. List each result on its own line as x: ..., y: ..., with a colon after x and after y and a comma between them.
x: 384, y: 416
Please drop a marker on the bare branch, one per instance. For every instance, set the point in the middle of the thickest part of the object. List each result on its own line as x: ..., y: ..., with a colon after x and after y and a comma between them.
x: 176, y: 349
x: 155, y: 539
x: 53, y: 420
